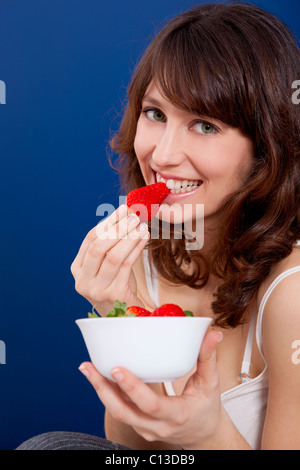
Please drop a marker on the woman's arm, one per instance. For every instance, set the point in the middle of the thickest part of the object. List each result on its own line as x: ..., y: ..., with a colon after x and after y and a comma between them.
x: 281, y: 328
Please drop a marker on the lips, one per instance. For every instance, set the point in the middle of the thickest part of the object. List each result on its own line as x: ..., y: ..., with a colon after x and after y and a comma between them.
x: 176, y: 197
x: 178, y: 185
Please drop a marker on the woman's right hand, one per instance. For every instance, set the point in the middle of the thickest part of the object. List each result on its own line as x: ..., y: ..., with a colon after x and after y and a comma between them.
x: 102, y: 268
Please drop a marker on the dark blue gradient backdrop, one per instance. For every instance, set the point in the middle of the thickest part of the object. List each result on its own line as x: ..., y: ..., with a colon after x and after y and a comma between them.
x: 66, y: 65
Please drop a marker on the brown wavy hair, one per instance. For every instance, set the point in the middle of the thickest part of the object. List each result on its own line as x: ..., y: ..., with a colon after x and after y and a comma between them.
x: 235, y: 63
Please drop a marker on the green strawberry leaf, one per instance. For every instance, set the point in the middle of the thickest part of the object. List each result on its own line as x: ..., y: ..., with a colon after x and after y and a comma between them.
x: 118, y: 310
x: 112, y: 313
x: 188, y: 313
x: 93, y: 314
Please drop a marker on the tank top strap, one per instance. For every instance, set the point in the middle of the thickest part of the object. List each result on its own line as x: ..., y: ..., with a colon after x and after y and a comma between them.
x: 244, y: 374
x: 264, y: 300
x: 151, y: 279
x: 245, y: 369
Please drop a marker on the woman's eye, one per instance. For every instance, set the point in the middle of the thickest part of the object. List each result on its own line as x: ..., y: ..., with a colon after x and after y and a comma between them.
x: 205, y: 128
x: 154, y: 115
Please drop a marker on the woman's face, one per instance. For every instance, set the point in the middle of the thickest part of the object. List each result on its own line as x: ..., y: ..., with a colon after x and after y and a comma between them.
x: 205, y: 159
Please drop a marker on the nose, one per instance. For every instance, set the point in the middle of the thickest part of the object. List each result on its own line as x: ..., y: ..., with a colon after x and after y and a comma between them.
x: 169, y: 147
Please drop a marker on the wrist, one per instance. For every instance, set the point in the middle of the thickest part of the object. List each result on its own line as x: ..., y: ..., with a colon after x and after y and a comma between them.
x: 225, y: 436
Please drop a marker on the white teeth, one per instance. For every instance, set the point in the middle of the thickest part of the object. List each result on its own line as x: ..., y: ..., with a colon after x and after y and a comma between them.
x: 179, y: 186
x: 184, y: 184
x: 170, y: 184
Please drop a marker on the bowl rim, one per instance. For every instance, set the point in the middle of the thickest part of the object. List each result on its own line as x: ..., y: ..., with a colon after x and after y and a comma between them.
x: 144, y: 318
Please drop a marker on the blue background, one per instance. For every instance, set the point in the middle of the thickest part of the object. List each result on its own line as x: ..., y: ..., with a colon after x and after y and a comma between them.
x: 66, y: 65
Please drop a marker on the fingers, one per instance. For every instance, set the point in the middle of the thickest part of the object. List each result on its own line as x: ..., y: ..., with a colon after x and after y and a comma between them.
x: 207, y: 361
x: 121, y: 258
x: 137, y: 392
x: 140, y: 399
x: 116, y: 216
x: 126, y: 268
x: 146, y: 400
x: 206, y: 378
x: 106, y: 257
x: 112, y: 245
x: 119, y: 238
x: 113, y: 398
x: 142, y: 395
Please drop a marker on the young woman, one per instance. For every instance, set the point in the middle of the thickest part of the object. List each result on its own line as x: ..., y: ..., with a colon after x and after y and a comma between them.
x: 210, y: 106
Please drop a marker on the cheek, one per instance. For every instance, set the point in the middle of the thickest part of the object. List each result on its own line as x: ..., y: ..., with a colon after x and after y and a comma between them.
x: 212, y: 158
x: 228, y: 175
x: 232, y: 163
x: 141, y: 142
x: 212, y: 168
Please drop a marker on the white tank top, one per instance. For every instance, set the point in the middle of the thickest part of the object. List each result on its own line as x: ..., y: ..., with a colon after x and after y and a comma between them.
x: 246, y: 404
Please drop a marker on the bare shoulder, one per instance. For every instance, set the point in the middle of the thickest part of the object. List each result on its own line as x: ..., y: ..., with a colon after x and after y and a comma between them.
x: 289, y: 262
x: 281, y: 317
x: 280, y: 332
x: 284, y: 300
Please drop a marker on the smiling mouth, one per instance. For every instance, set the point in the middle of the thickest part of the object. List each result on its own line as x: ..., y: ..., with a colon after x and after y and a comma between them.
x: 179, y: 186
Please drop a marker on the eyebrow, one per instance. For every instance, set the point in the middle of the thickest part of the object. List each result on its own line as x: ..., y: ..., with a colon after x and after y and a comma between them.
x: 155, y: 102
x: 152, y: 100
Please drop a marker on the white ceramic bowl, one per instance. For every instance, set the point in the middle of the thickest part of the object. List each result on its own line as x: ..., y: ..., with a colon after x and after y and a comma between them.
x: 155, y: 349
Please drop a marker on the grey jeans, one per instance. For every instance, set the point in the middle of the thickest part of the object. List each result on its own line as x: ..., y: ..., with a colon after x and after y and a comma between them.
x: 61, y: 440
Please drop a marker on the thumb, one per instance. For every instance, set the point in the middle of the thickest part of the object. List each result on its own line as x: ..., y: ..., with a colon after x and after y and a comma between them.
x: 207, y: 372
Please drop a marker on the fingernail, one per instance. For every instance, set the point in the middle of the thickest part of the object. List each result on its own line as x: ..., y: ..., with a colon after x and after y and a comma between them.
x: 117, y: 375
x: 143, y: 227
x: 122, y: 210
x: 145, y: 235
x: 221, y: 336
x: 143, y: 230
x: 84, y: 371
x: 132, y: 219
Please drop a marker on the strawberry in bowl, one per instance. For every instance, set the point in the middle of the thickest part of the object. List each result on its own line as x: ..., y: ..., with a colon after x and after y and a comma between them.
x: 120, y: 309
x: 171, y: 310
x: 158, y: 346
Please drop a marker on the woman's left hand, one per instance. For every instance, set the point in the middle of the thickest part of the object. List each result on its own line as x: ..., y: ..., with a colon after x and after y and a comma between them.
x: 188, y: 420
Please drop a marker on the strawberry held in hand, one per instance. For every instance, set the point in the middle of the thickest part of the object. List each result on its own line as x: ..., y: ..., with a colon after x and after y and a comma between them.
x: 171, y: 310
x: 145, y: 201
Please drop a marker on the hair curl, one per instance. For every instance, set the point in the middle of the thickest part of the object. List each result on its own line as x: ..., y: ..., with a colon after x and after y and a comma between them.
x: 235, y: 63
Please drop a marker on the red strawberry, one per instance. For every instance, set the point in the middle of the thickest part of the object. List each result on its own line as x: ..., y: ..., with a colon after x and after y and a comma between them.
x: 170, y: 310
x: 121, y: 310
x: 138, y: 311
x: 145, y: 201
x: 167, y: 310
